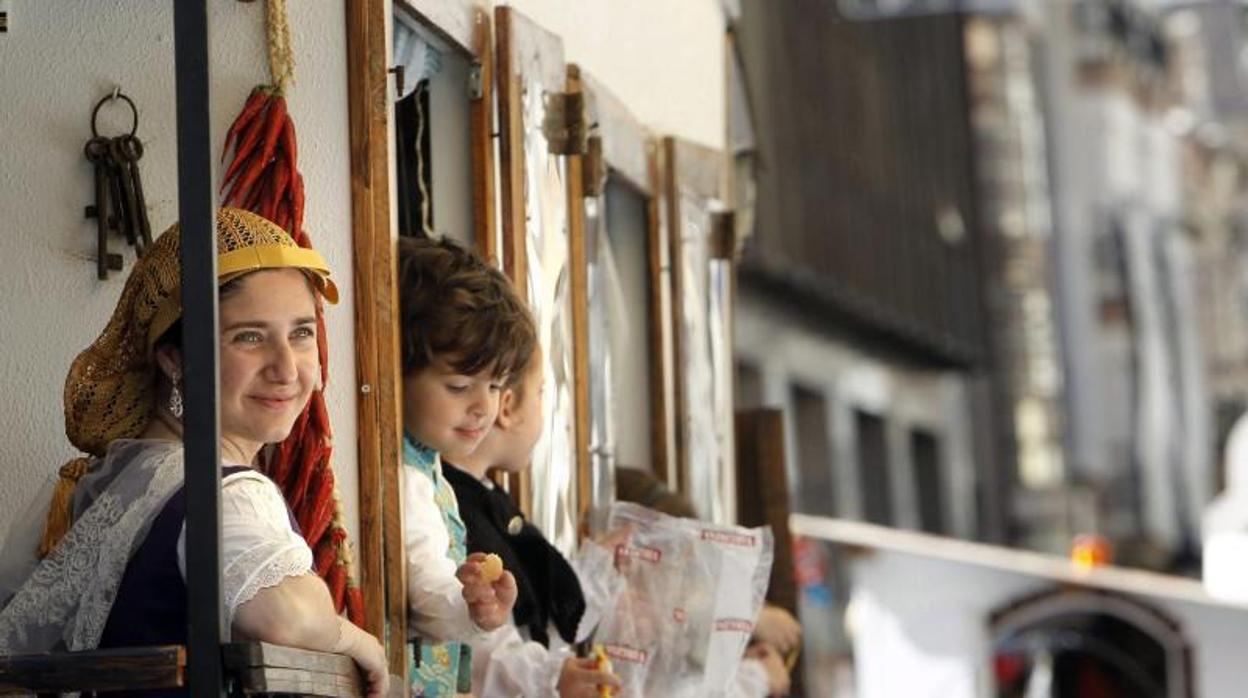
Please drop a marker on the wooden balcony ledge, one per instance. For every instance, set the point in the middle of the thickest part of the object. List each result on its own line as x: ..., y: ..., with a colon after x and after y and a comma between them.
x: 252, y: 668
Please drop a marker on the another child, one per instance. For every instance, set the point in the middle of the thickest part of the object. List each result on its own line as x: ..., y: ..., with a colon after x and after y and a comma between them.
x: 463, y: 332
x: 559, y: 603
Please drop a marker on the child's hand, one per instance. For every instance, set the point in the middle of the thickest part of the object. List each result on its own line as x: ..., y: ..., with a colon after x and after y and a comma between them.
x: 581, y: 678
x: 489, y: 604
x: 778, y: 680
x: 778, y: 628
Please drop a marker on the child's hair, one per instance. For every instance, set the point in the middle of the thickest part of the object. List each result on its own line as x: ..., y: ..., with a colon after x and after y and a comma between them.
x: 518, y: 383
x: 455, y: 307
x: 640, y: 487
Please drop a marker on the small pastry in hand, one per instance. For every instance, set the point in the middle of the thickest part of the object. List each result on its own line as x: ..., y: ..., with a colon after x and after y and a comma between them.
x: 492, y: 568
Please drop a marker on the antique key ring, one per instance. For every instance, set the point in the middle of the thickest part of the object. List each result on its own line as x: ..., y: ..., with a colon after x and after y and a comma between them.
x: 116, y: 95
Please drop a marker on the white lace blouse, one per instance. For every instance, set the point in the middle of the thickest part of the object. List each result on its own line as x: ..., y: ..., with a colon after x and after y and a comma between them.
x: 259, y: 548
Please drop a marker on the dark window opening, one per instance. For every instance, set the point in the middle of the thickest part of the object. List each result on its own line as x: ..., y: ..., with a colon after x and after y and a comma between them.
x: 414, y: 155
x: 814, y: 462
x: 749, y: 386
x: 928, y: 480
x: 873, y: 477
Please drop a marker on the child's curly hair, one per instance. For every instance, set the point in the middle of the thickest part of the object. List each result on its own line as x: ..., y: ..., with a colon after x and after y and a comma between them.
x: 455, y: 307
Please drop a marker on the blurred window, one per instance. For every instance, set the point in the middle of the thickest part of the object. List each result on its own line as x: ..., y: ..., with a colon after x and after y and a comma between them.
x: 814, y: 459
x: 873, y: 477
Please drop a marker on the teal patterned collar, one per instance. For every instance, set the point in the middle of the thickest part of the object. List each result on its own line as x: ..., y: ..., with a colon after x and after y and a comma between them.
x: 418, y: 455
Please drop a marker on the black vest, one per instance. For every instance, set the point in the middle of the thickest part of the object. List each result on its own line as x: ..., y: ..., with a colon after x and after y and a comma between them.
x: 549, y: 591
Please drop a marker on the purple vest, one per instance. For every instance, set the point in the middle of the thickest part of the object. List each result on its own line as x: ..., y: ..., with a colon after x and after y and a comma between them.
x: 150, y: 608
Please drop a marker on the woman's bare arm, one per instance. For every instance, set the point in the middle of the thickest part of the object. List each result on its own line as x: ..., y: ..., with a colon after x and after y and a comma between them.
x: 299, y: 612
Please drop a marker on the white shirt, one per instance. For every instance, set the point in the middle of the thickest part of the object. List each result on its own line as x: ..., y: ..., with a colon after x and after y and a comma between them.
x: 259, y: 548
x: 506, y: 662
x: 436, y: 608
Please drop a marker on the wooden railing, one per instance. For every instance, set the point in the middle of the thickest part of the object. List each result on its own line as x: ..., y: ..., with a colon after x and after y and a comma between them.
x: 251, y: 668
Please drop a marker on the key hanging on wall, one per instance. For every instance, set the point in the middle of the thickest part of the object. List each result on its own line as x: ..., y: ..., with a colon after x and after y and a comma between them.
x: 120, y: 205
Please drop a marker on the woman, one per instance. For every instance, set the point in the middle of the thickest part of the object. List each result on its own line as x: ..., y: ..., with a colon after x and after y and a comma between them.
x: 117, y: 577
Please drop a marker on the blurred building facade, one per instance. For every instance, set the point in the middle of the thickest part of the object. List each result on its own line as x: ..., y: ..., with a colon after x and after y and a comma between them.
x: 997, y: 272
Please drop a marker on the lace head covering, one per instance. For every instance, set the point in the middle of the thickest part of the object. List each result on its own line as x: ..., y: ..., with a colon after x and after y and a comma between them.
x: 110, y: 392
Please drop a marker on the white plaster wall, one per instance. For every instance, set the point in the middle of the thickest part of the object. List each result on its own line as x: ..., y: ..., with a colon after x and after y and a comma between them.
x: 58, y: 58
x: 664, y: 59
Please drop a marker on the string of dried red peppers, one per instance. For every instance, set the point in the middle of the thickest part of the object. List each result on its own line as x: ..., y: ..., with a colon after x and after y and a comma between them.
x: 263, y: 177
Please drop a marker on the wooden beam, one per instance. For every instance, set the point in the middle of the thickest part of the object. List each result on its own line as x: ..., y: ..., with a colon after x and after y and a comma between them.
x: 481, y: 135
x: 661, y: 373
x: 162, y: 667
x: 511, y: 157
x: 763, y: 494
x: 262, y: 668
x: 579, y: 275
x: 671, y: 194
x: 376, y: 331
x: 511, y: 150
x: 623, y: 137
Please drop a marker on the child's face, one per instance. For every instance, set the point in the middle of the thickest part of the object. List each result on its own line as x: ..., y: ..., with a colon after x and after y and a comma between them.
x: 517, y: 441
x: 448, y: 411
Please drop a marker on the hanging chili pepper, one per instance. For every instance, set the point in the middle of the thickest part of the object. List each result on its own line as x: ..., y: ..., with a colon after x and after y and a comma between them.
x: 306, y: 461
x: 327, y: 551
x: 289, y: 145
x: 355, y: 605
x: 337, y: 581
x: 298, y: 214
x: 321, y: 513
x: 256, y: 102
x: 263, y: 177
x: 280, y: 180
x: 273, y: 120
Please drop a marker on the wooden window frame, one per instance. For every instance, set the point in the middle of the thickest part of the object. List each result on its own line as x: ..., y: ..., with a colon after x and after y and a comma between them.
x: 619, y: 144
x: 516, y: 34
x: 702, y: 171
x: 465, y: 28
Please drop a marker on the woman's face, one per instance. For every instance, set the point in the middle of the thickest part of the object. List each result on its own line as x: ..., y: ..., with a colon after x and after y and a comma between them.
x: 269, y: 359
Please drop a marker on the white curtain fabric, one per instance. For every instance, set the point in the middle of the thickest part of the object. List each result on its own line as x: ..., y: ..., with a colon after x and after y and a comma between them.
x: 420, y: 60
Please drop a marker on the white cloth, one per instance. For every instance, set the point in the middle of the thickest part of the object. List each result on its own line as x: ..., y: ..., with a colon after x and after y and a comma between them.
x: 66, y: 599
x: 259, y: 548
x: 437, y: 611
x: 1225, y: 558
x: 751, y: 680
x: 506, y: 662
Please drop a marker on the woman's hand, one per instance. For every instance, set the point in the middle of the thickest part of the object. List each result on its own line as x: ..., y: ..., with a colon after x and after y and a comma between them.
x: 368, y: 654
x: 581, y: 678
x: 778, y: 628
x: 299, y: 612
x: 489, y: 603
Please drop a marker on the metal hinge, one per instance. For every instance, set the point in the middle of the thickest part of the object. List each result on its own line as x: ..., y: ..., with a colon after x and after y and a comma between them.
x: 475, y: 89
x: 565, y: 124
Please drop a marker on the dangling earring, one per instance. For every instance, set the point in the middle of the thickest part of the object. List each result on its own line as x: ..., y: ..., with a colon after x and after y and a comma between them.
x: 175, y: 395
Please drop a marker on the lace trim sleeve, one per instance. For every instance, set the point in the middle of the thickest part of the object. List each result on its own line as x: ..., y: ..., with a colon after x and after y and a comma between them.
x: 259, y: 548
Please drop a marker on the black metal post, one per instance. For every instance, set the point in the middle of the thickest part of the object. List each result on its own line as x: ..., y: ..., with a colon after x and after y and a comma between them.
x: 196, y: 212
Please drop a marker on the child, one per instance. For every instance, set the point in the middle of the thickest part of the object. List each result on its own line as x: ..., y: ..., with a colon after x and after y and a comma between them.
x: 559, y: 603
x: 463, y: 331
